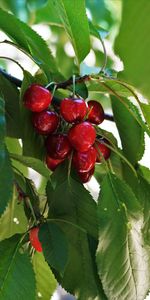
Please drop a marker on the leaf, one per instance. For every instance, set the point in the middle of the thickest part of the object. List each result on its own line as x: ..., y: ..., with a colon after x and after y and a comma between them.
x: 14, y: 267
x: 6, y: 183
x: 134, y: 52
x: 76, y: 205
x: 12, y: 111
x: 53, y: 239
x: 146, y: 112
x: 2, y: 132
x: 28, y: 40
x: 122, y: 259
x: 33, y: 143
x: 73, y: 208
x: 71, y: 14
x: 35, y: 4
x: 45, y: 281
x: 131, y: 133
x: 14, y: 211
x: 33, y: 163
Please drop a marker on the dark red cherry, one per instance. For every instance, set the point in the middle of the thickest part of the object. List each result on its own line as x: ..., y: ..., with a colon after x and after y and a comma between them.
x: 73, y: 110
x: 102, y: 149
x: 86, y: 176
x: 58, y: 146
x: 34, y: 240
x: 45, y: 122
x: 53, y: 163
x: 84, y: 161
x: 37, y: 98
x: 82, y: 136
x: 96, y: 115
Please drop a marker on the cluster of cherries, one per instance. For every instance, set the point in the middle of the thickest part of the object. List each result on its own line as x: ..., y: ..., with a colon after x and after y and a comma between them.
x: 69, y: 132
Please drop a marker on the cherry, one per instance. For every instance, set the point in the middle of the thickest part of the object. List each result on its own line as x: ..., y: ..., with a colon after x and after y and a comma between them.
x: 103, y: 150
x: 84, y: 161
x: 58, y: 146
x: 52, y: 163
x: 96, y: 114
x: 37, y: 98
x: 86, y: 176
x: 82, y: 136
x: 73, y: 110
x: 45, y: 122
x: 34, y: 240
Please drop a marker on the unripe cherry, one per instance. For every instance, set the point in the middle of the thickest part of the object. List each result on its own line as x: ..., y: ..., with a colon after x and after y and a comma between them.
x: 102, y: 150
x: 37, y: 98
x: 53, y: 163
x: 34, y: 239
x: 82, y: 136
x: 73, y: 110
x: 96, y: 114
x: 86, y: 176
x: 45, y: 122
x: 84, y: 161
x: 58, y: 146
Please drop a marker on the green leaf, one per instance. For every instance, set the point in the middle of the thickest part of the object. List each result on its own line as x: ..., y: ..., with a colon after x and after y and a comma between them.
x: 146, y: 112
x: 131, y: 133
x: 122, y: 259
x: 13, y: 220
x: 6, y: 183
x: 33, y: 143
x: 35, y: 4
x: 10, y: 94
x: 72, y: 13
x: 53, y: 239
x: 45, y: 281
x: 132, y: 46
x: 2, y: 132
x: 72, y: 202
x: 28, y: 40
x: 74, y: 210
x: 33, y: 163
x: 16, y: 273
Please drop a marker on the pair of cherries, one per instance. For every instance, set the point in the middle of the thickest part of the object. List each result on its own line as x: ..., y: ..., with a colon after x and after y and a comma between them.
x: 80, y: 137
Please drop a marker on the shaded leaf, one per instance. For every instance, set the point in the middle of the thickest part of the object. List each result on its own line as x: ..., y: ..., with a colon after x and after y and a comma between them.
x: 130, y: 131
x: 54, y: 245
x: 14, y: 267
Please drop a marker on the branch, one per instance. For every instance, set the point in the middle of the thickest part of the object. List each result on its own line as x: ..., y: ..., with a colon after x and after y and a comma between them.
x: 59, y: 85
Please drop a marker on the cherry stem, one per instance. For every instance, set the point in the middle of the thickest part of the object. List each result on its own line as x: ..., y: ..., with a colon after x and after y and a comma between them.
x: 74, y: 84
x: 32, y: 210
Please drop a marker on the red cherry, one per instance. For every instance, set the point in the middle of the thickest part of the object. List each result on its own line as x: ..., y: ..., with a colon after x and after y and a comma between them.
x: 34, y: 240
x: 58, y: 146
x: 103, y: 149
x: 86, y: 176
x: 53, y: 163
x: 96, y: 115
x: 73, y: 110
x: 45, y: 122
x: 84, y: 161
x: 37, y: 98
x: 82, y: 136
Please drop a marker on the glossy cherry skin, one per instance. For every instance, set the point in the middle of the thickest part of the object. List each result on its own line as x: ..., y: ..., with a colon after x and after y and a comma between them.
x: 73, y: 110
x: 34, y: 240
x: 82, y: 136
x: 58, y: 146
x: 53, y: 163
x: 103, y: 149
x: 84, y: 161
x: 96, y: 115
x: 45, y: 122
x: 86, y: 176
x: 37, y: 98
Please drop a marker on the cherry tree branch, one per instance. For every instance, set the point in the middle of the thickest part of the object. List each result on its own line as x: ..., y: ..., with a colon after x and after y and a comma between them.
x: 63, y: 85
